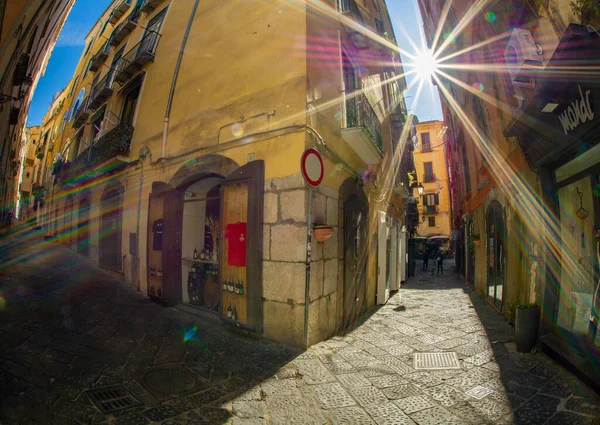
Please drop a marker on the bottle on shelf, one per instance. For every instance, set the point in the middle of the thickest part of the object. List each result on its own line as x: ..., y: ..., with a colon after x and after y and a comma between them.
x: 229, y: 312
x: 195, y: 254
x: 241, y: 288
x: 234, y: 313
x: 225, y: 285
x: 230, y: 285
x: 202, y: 256
x: 160, y: 274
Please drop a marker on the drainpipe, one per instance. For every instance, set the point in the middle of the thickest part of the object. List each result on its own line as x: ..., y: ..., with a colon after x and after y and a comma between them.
x: 174, y: 82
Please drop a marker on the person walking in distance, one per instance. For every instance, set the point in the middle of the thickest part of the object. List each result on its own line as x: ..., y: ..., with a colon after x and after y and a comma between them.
x: 440, y: 262
x: 425, y: 258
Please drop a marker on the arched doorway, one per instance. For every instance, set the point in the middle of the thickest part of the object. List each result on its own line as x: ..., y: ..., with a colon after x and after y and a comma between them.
x: 111, y: 205
x: 356, y: 222
x: 471, y: 254
x: 496, y: 254
x: 83, y: 228
x: 68, y: 220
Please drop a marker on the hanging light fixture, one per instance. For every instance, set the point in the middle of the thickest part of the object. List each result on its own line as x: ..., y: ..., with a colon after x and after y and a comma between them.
x: 420, y: 189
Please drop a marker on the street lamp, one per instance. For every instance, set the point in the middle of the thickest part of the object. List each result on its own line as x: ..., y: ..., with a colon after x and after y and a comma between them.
x: 420, y: 189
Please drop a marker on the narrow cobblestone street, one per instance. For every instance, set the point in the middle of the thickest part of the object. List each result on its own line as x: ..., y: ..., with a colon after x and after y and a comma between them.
x: 67, y: 328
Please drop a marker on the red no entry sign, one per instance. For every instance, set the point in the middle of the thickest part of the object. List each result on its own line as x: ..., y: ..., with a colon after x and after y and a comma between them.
x: 312, y: 168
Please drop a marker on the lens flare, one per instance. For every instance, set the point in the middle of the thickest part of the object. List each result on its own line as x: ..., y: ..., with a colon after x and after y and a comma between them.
x: 490, y: 17
x: 425, y: 65
x: 190, y: 334
x: 478, y: 86
x: 237, y: 130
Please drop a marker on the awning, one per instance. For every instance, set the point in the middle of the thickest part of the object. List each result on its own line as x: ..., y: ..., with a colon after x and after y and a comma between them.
x: 563, y: 110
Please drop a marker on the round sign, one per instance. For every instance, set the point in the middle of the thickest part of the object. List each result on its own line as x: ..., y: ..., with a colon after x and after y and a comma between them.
x: 312, y: 167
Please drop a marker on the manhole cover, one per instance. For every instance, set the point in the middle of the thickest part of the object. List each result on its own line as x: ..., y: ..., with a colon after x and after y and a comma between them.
x: 479, y: 392
x: 167, y: 382
x: 447, y: 360
x: 111, y: 399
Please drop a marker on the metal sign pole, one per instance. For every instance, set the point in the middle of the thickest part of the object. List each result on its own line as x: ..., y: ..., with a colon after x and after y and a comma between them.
x: 307, y: 280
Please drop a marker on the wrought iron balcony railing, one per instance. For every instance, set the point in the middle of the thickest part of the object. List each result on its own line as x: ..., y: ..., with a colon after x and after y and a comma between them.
x: 429, y: 178
x: 137, y: 57
x: 20, y: 72
x: 119, y: 11
x: 431, y: 209
x: 102, y: 90
x: 99, y: 58
x: 360, y: 113
x: 82, y: 113
x: 89, y: 163
x: 124, y: 28
x: 150, y: 5
x: 39, y: 152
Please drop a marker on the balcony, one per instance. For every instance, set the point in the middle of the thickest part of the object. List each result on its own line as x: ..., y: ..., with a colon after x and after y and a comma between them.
x: 81, y: 114
x: 363, y: 129
x: 429, y: 178
x: 99, y: 58
x: 124, y: 28
x: 13, y: 118
x: 101, y: 91
x: 108, y: 154
x: 431, y: 209
x: 150, y: 5
x: 119, y: 11
x: 21, y: 69
x: 39, y: 152
x: 137, y: 57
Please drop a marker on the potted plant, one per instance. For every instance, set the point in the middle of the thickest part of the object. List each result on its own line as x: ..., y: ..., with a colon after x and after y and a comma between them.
x: 527, y: 324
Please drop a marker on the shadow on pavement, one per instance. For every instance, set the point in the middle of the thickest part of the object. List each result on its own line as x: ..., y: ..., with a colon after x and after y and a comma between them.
x: 67, y: 327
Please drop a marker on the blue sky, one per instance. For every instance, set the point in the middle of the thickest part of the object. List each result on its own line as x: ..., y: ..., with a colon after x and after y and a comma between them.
x: 404, y: 13
x: 408, y: 27
x: 66, y: 54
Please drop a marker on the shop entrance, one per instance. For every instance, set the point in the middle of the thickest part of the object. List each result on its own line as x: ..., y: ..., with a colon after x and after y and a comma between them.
x: 111, y: 205
x: 205, y: 239
x: 83, y: 228
x: 496, y: 255
x: 355, y: 256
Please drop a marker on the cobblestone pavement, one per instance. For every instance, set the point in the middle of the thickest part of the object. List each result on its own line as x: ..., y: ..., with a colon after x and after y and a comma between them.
x: 68, y: 328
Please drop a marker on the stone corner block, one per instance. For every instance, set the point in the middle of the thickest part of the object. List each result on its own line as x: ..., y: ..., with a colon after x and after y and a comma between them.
x: 288, y: 243
x: 284, y: 281
x: 271, y: 209
x: 283, y: 323
x: 294, y: 181
x: 293, y: 205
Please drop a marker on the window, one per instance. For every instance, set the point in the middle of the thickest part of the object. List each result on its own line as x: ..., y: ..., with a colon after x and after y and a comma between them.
x: 480, y: 113
x: 73, y: 87
x: 380, y: 26
x: 78, y: 101
x: 347, y: 5
x: 431, y: 199
x: 89, y: 46
x: 431, y: 221
x: 425, y: 142
x: 466, y: 169
x: 428, y: 176
x: 33, y: 141
x: 97, y: 123
x: 130, y: 104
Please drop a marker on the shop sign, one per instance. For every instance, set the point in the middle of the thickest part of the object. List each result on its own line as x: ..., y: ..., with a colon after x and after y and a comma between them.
x: 577, y: 113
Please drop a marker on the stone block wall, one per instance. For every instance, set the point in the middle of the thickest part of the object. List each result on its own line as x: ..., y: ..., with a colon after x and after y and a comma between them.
x: 284, y: 262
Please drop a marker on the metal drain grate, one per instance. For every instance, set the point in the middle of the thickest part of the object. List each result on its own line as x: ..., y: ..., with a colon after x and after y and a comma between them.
x: 432, y: 361
x: 479, y: 392
x: 170, y: 381
x: 112, y: 399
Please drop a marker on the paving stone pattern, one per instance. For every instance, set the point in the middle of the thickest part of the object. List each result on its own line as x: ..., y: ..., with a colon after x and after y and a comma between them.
x: 67, y: 327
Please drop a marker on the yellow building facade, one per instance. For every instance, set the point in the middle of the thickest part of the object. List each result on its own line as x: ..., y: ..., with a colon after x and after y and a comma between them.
x: 181, y: 135
x: 435, y: 207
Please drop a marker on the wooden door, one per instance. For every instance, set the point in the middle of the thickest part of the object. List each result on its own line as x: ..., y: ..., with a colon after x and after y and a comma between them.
x: 242, y: 200
x: 154, y: 247
x: 171, y: 253
x: 355, y: 254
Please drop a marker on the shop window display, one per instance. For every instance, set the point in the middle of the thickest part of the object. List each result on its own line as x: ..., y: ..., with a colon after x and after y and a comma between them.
x: 579, y: 257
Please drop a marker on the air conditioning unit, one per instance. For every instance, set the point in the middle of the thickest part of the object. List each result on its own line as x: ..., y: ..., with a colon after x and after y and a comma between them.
x: 523, y: 58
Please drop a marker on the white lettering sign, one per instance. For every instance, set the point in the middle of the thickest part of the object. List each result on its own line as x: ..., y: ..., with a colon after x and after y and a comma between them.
x: 577, y: 113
